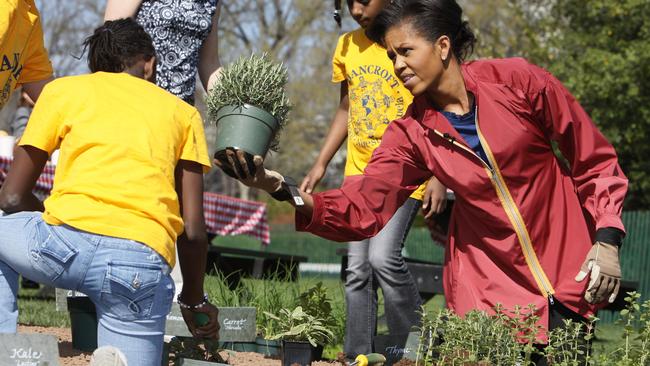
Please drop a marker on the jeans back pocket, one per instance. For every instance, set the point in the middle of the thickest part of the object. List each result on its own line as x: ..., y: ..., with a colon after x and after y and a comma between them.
x: 129, y: 288
x: 50, y: 252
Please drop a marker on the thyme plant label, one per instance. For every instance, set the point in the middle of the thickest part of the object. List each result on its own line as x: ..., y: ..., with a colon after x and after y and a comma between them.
x: 28, y: 350
x: 396, y: 346
x: 237, y: 324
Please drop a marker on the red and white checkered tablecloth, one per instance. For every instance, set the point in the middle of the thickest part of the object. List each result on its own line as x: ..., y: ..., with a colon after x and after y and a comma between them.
x: 44, y: 182
x: 224, y: 215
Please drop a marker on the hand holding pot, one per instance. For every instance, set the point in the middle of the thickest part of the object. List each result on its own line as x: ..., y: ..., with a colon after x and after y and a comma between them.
x: 604, y: 270
x: 250, y: 170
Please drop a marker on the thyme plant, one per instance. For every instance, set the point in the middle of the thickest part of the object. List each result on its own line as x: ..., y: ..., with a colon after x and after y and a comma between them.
x: 510, y: 337
x: 254, y: 80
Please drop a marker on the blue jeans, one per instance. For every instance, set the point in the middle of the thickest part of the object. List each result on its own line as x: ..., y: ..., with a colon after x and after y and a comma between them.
x: 128, y: 281
x: 377, y: 262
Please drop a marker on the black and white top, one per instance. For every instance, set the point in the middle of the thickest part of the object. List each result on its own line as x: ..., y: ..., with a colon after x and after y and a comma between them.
x: 178, y: 29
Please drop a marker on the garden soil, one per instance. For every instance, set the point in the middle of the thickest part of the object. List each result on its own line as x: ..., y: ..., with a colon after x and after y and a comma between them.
x: 68, y: 356
x: 72, y: 357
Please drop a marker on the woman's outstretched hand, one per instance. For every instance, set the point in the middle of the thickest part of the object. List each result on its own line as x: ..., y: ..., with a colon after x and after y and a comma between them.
x: 249, y: 170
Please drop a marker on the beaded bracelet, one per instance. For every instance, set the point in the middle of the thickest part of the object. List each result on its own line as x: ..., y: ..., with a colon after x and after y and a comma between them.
x: 192, y: 307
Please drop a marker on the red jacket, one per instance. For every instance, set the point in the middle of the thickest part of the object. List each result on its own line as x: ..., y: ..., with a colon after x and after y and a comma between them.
x: 519, y: 231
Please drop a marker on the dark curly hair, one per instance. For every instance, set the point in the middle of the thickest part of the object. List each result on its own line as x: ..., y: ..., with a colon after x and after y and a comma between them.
x: 118, y: 45
x: 431, y: 19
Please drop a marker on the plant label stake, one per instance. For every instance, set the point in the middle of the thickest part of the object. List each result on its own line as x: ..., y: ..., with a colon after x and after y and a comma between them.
x: 29, y: 349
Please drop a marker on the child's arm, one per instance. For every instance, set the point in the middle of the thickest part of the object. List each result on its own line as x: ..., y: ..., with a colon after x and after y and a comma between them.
x: 435, y: 198
x: 193, y: 249
x: 335, y: 136
x: 34, y: 88
x: 118, y: 9
x: 16, y: 192
x: 209, y: 63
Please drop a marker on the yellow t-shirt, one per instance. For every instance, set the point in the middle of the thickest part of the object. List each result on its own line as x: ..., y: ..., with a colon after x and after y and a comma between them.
x: 23, y: 57
x: 376, y: 95
x: 120, y: 139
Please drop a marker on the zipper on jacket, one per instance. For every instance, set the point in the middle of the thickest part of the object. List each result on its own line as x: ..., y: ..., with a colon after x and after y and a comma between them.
x: 540, y: 277
x: 518, y: 222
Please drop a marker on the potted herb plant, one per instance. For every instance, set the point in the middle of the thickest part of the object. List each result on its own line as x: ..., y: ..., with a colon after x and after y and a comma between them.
x: 249, y: 106
x: 302, y: 334
x: 314, y: 301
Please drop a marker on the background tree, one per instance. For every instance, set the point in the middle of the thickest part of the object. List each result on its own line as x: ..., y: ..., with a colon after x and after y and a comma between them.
x: 601, y: 51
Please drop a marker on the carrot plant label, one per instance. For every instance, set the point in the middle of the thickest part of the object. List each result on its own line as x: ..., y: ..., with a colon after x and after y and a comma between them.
x: 28, y: 350
x: 237, y: 324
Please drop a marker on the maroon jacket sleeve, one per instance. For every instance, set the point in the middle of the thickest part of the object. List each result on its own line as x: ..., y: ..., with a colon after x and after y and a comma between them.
x: 364, y: 203
x: 599, y: 180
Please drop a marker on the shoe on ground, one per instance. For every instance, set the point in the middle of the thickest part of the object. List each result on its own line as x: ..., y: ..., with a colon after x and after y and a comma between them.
x: 108, y: 356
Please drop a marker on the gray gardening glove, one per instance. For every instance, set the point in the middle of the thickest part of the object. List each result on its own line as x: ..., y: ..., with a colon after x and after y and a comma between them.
x: 604, y: 270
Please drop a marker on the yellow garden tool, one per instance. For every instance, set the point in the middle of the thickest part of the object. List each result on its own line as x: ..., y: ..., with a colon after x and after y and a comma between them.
x: 371, y: 359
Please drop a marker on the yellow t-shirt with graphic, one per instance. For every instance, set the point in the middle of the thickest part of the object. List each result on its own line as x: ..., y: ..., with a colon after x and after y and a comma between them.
x: 120, y: 138
x: 23, y: 57
x: 376, y: 95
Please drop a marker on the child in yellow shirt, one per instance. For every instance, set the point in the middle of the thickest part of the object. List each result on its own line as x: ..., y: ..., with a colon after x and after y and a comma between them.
x: 23, y: 58
x: 127, y: 187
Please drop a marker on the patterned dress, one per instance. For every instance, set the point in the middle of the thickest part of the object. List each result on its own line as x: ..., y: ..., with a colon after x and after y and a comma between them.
x: 178, y: 29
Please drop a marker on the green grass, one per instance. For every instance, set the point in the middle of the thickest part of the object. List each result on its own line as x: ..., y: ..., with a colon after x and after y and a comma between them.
x: 34, y: 309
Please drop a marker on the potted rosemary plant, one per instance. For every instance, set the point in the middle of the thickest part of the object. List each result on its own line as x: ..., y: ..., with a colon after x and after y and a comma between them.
x: 249, y: 106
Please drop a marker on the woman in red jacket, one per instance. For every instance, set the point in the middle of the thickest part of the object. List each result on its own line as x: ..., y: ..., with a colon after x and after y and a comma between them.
x: 525, y: 228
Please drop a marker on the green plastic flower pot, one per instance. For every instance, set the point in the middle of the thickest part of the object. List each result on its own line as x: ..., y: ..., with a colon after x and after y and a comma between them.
x: 190, y: 362
x: 299, y: 353
x: 83, y: 320
x: 245, y: 128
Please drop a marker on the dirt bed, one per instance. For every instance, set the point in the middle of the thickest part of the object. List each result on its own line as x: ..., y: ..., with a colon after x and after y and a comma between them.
x: 72, y: 357
x: 251, y: 358
x: 68, y: 356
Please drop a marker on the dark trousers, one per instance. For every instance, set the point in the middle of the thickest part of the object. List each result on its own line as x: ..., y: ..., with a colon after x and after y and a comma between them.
x: 557, y: 314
